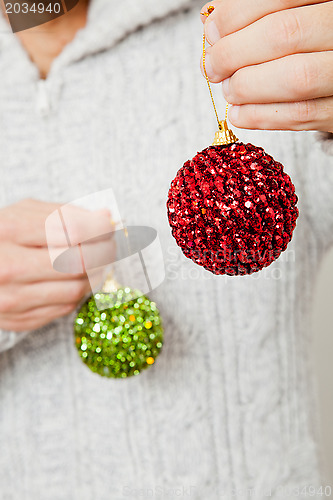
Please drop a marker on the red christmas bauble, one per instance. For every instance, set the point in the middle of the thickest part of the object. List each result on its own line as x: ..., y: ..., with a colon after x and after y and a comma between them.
x: 232, y: 209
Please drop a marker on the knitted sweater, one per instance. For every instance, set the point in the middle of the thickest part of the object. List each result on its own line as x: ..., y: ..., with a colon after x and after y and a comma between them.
x: 229, y: 408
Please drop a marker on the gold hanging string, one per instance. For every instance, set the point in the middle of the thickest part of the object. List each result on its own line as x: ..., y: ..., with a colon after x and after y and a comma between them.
x: 110, y: 283
x: 223, y: 136
x: 209, y: 11
x: 208, y: 82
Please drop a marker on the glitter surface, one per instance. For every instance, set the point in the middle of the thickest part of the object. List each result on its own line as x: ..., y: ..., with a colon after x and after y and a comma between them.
x: 123, y: 339
x: 232, y: 209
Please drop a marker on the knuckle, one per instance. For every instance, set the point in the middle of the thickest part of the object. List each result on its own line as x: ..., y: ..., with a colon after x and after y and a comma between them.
x: 285, y: 30
x: 303, y: 112
x: 305, y: 79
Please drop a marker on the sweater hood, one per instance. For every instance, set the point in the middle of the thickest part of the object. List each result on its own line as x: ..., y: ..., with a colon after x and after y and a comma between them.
x: 108, y: 22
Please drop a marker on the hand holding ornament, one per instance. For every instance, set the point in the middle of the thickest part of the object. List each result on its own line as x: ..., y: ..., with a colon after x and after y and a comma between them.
x: 275, y: 62
x: 32, y: 292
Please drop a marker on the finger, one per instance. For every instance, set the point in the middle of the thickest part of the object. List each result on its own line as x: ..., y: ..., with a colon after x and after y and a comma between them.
x: 16, y: 300
x: 29, y: 265
x: 315, y: 114
x: 24, y: 222
x: 27, y: 222
x: 207, y: 9
x: 35, y: 318
x: 21, y: 298
x: 80, y: 227
x: 292, y: 78
x: 232, y: 15
x: 18, y: 265
x: 94, y: 253
x: 283, y: 33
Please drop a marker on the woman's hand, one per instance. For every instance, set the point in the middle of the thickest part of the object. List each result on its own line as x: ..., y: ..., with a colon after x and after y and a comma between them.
x: 32, y: 293
x: 275, y: 61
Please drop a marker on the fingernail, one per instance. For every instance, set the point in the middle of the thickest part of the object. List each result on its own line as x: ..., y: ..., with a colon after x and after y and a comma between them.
x: 209, y: 68
x: 233, y: 113
x: 226, y: 88
x: 212, y: 33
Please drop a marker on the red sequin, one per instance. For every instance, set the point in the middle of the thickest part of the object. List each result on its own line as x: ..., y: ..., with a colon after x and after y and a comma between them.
x: 232, y: 209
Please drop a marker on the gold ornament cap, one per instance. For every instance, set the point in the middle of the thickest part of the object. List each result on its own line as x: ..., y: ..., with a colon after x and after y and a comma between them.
x: 224, y: 135
x: 110, y: 285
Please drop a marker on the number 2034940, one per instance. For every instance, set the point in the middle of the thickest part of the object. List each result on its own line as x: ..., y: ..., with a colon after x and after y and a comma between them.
x: 23, y: 15
x: 33, y: 8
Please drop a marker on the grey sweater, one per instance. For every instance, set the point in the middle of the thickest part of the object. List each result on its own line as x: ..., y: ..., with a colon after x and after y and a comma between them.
x: 230, y: 405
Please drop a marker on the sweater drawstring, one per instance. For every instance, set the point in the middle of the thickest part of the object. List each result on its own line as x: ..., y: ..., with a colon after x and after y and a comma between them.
x: 47, y: 95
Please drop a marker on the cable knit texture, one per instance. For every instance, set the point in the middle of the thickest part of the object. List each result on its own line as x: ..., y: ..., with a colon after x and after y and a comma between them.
x: 229, y: 407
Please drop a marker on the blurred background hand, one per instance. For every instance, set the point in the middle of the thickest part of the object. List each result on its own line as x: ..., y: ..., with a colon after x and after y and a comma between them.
x: 32, y: 293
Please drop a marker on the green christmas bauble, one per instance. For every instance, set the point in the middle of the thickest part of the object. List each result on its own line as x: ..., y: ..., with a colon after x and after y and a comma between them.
x: 118, y: 334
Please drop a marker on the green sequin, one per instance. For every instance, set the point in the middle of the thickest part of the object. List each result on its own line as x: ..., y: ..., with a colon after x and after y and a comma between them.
x: 123, y: 338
